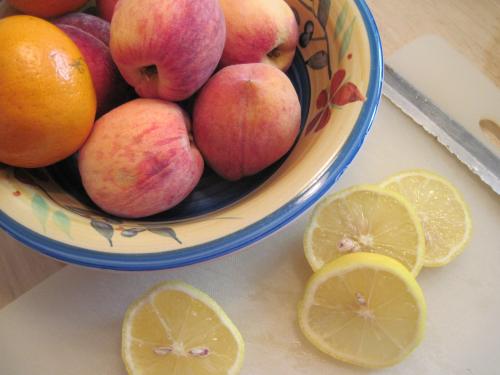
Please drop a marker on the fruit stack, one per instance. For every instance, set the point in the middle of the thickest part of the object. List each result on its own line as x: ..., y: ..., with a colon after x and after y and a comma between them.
x: 111, y: 89
x: 366, y: 245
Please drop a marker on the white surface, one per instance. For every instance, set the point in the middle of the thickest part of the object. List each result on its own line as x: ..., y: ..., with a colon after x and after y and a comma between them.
x: 70, y: 324
x: 452, y: 83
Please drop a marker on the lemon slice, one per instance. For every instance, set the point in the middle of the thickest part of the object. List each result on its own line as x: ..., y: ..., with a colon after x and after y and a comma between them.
x: 364, y: 309
x: 444, y: 215
x: 176, y: 329
x: 368, y: 219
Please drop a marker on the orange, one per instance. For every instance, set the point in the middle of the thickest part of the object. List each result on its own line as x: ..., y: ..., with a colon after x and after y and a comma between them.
x: 47, y: 99
x: 47, y: 8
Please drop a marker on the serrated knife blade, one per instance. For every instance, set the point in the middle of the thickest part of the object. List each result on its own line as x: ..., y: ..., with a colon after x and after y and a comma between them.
x: 448, y: 132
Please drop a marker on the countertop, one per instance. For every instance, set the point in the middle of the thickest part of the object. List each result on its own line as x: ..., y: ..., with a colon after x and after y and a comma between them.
x: 472, y: 27
x: 259, y: 287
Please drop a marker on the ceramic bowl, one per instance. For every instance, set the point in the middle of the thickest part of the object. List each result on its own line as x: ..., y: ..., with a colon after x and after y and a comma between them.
x: 337, y: 73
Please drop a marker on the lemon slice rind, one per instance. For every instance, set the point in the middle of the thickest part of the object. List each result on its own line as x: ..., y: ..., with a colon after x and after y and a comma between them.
x: 193, y: 293
x: 455, y: 250
x: 343, y: 266
x: 419, y: 249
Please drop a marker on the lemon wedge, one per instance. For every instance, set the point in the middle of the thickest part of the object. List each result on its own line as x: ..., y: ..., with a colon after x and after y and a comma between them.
x: 364, y: 309
x: 176, y: 329
x: 364, y: 218
x: 444, y: 215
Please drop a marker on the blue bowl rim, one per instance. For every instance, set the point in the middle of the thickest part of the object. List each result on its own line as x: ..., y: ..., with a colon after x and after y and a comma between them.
x: 244, y: 237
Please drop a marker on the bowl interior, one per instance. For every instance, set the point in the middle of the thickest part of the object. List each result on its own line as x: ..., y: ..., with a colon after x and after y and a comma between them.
x: 337, y: 74
x: 213, y: 192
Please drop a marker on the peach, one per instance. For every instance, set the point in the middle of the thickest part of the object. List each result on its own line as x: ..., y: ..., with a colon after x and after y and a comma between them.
x: 139, y: 159
x: 111, y: 89
x: 47, y: 8
x: 259, y: 31
x: 167, y: 49
x: 106, y: 8
x: 93, y: 25
x: 246, y: 118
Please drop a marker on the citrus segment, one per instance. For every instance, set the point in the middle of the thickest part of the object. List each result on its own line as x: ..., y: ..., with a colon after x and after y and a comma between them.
x: 177, y: 329
x: 364, y: 309
x: 364, y: 219
x: 444, y: 215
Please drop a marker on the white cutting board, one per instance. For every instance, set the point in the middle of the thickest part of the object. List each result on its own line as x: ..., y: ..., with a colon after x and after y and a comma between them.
x: 70, y: 324
x: 453, y: 83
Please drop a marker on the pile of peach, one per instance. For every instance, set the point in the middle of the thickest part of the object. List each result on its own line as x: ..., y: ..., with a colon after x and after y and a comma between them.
x: 146, y: 155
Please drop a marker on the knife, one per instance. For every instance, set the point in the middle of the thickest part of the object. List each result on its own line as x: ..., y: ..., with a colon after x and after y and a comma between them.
x: 455, y: 137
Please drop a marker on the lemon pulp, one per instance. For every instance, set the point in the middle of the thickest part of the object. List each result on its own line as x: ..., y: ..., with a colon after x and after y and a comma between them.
x: 176, y: 329
x: 364, y: 309
x: 365, y: 219
x: 444, y: 215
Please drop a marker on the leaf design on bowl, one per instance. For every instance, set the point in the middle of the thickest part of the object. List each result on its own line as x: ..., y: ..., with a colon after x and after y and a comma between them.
x: 165, y: 231
x: 63, y: 222
x: 104, y: 229
x: 40, y: 209
x: 339, y: 24
x: 307, y: 35
x: 318, y: 61
x: 39, y: 179
x: 346, y: 40
x: 158, y: 229
x: 323, y: 12
x: 340, y: 94
x: 131, y: 232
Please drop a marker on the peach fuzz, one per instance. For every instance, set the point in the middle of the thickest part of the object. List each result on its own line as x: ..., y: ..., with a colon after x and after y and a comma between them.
x: 139, y: 159
x: 259, y: 31
x: 167, y: 49
x: 246, y: 118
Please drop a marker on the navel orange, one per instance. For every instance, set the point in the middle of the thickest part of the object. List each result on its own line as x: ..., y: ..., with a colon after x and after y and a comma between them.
x: 47, y: 99
x: 47, y: 8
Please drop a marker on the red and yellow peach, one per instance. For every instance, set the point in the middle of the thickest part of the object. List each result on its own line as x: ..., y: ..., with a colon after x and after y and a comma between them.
x: 259, y: 31
x: 245, y: 118
x: 139, y: 159
x: 167, y: 49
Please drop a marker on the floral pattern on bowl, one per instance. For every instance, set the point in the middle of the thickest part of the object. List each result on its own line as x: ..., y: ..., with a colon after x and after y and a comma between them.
x: 340, y: 91
x: 337, y: 74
